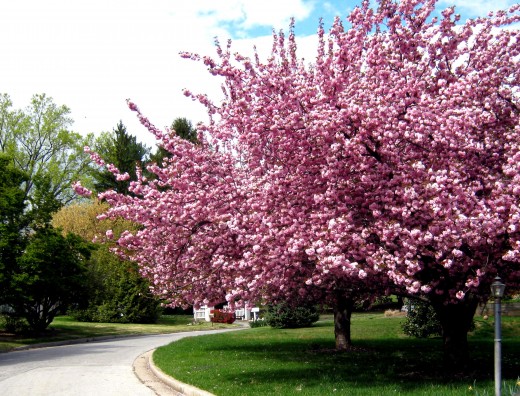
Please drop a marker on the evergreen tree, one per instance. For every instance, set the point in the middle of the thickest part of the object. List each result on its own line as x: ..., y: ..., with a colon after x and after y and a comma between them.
x: 40, y: 270
x: 49, y: 276
x: 182, y: 128
x: 185, y: 130
x: 12, y: 222
x: 122, y: 150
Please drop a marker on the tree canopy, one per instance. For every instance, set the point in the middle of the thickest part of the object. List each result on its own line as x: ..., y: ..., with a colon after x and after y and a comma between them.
x: 40, y: 269
x: 389, y: 165
x: 12, y: 222
x: 40, y: 143
x: 114, y: 290
x: 181, y: 127
x: 49, y: 276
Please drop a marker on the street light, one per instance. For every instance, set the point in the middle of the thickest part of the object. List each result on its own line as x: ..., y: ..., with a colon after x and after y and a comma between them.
x: 497, y: 291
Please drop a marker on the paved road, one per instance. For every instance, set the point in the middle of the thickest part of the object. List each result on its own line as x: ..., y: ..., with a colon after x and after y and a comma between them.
x: 101, y: 368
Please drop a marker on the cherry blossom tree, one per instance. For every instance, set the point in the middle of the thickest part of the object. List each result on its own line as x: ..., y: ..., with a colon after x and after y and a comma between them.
x: 389, y: 165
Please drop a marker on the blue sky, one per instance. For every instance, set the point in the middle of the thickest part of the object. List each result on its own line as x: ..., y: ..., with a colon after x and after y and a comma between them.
x: 308, y: 13
x: 92, y: 55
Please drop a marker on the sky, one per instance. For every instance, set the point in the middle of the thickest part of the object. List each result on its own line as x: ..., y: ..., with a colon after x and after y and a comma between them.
x: 93, y: 55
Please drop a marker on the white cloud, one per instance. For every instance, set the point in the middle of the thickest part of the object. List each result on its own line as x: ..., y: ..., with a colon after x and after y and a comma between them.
x: 250, y: 14
x: 92, y: 55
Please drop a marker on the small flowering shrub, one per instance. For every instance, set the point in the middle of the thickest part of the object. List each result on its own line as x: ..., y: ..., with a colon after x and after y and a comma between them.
x: 220, y: 316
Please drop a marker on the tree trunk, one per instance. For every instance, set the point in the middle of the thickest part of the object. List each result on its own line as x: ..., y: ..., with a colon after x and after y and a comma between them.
x: 456, y: 321
x: 342, y: 315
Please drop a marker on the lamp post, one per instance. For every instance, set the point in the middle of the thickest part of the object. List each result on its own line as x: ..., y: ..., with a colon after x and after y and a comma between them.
x: 497, y: 291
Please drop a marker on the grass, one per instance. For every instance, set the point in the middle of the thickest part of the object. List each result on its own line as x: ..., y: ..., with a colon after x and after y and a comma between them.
x: 65, y: 328
x: 266, y: 361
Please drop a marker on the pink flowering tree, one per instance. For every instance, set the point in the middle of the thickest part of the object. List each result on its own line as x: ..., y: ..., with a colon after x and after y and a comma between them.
x: 389, y: 165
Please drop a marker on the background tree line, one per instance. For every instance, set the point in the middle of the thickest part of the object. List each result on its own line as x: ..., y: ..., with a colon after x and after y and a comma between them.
x: 48, y: 262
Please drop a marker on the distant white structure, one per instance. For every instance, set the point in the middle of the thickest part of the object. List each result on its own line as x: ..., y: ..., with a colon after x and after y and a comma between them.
x: 203, y: 313
x: 247, y: 313
x: 255, y: 311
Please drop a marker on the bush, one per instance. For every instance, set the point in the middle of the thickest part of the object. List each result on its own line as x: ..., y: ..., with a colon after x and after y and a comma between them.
x: 14, y: 324
x: 258, y: 323
x: 220, y: 316
x: 421, y: 320
x: 117, y: 293
x: 125, y: 309
x: 284, y: 316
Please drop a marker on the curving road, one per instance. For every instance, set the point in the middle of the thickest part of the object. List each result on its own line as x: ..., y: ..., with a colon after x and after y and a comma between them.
x: 97, y: 368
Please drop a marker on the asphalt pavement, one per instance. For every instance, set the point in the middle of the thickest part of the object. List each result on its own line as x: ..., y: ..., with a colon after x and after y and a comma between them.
x: 110, y: 367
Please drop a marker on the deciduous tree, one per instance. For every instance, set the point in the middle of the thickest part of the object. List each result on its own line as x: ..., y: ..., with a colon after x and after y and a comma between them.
x: 39, y: 141
x: 390, y: 165
x: 39, y: 158
x: 114, y: 290
x: 12, y: 223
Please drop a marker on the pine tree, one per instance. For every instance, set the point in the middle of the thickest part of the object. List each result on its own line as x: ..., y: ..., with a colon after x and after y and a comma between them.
x: 122, y: 150
x: 182, y: 128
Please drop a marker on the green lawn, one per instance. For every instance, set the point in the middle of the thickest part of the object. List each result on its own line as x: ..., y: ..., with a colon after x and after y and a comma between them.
x: 265, y: 361
x: 65, y: 328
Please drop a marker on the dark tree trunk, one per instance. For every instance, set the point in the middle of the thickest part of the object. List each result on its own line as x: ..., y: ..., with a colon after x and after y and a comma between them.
x: 456, y: 321
x: 342, y: 315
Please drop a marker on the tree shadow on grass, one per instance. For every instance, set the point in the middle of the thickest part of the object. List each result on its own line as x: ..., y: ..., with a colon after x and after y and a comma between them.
x: 404, y: 364
x: 264, y: 359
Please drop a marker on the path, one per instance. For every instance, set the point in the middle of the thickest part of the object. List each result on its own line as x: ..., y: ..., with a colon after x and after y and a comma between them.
x: 100, y: 368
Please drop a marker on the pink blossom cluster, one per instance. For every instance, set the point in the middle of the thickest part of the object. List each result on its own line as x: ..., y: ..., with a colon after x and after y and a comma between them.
x: 389, y: 165
x: 80, y: 190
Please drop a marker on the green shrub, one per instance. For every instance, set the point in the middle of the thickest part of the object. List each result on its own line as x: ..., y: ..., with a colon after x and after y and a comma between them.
x: 284, y: 315
x: 117, y: 293
x: 125, y: 309
x: 14, y: 324
x: 421, y: 320
x: 258, y: 323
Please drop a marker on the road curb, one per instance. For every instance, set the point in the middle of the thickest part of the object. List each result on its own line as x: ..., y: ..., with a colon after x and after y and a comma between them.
x: 162, y: 384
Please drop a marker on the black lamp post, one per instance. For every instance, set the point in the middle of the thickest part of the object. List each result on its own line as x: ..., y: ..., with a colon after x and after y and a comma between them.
x: 497, y: 291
